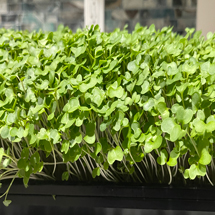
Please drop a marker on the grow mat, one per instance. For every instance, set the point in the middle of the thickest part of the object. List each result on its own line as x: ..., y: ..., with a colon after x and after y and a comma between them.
x: 112, y: 107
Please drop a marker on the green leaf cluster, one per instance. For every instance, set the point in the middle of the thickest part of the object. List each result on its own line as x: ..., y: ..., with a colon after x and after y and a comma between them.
x: 112, y: 106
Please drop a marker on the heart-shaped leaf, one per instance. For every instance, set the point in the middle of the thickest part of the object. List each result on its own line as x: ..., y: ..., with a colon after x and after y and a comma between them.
x: 205, y: 157
x: 90, y: 133
x: 96, y: 172
x: 7, y: 202
x: 115, y: 154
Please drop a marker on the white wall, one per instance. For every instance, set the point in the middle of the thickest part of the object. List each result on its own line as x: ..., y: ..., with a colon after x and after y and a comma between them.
x: 205, y: 16
x: 94, y: 13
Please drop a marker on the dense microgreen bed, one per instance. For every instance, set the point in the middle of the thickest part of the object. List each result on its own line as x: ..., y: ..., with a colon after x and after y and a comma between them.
x: 118, y: 107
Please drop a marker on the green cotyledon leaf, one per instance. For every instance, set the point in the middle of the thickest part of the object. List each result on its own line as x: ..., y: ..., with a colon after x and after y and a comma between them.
x: 145, y: 87
x: 5, y: 132
x: 147, y: 106
x: 72, y: 105
x: 54, y: 134
x: 153, y: 144
x: 169, y: 126
x: 162, y: 159
x: 193, y: 171
x: 90, y: 133
x: 65, y: 176
x: 110, y: 67
x: 79, y: 50
x: 65, y: 146
x: 210, y: 126
x: 115, y: 154
x: 98, y: 148
x: 133, y: 67
x: 96, y: 172
x: 98, y: 96
x: 84, y: 87
x: 196, y: 101
x: 199, y: 125
x: 7, y: 202
x: 161, y: 106
x: 205, y: 157
x: 172, y: 68
x: 115, y: 92
x: 184, y: 115
x: 174, y: 154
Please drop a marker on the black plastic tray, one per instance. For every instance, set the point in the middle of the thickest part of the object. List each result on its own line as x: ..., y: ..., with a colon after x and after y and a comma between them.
x: 114, y: 196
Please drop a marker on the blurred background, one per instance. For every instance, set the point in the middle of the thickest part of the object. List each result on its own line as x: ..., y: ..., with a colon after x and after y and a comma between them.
x: 41, y: 14
x: 177, y: 13
x: 48, y: 14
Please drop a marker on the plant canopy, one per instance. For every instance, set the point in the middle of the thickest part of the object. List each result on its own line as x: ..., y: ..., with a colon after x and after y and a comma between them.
x: 121, y: 107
